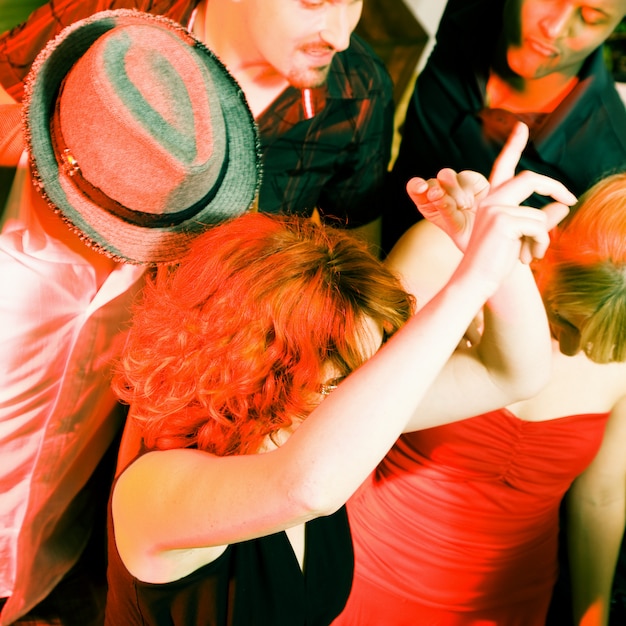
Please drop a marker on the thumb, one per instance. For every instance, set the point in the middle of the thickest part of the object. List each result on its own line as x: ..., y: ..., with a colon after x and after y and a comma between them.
x: 555, y: 212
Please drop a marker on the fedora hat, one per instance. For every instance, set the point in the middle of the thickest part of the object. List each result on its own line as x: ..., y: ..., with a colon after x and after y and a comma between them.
x: 138, y: 135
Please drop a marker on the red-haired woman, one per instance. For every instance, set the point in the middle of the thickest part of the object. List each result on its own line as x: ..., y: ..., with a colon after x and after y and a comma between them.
x: 233, y: 511
x: 459, y: 524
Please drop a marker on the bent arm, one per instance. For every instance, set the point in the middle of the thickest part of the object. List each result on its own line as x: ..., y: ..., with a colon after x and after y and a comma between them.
x: 174, y: 503
x: 596, y: 505
x: 170, y: 503
x: 512, y: 359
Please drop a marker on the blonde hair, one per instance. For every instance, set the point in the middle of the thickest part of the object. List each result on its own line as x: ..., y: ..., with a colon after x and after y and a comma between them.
x: 584, y: 271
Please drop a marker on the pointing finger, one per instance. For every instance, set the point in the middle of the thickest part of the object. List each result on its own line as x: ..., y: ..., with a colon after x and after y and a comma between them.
x: 504, y: 166
x: 516, y: 190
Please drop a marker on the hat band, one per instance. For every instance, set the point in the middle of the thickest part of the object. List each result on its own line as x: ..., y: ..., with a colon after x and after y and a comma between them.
x: 71, y: 167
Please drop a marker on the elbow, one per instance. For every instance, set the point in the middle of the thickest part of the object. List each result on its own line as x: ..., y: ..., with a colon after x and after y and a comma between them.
x: 519, y: 380
x: 529, y: 382
x: 312, y: 496
x: 520, y: 390
x: 530, y: 387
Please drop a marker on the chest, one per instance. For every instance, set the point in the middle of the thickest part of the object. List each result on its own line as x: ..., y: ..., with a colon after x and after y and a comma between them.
x: 296, y: 535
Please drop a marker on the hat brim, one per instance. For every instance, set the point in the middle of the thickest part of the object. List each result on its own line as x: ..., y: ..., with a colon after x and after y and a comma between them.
x: 98, y: 227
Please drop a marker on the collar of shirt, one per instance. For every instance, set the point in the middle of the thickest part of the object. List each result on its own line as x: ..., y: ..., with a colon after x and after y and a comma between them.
x: 595, y: 87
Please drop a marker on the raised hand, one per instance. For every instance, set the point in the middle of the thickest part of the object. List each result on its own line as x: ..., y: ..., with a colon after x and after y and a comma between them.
x: 501, y: 236
x: 453, y: 201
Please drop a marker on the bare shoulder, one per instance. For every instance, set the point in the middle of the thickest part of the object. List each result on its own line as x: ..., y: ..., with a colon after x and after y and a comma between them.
x: 577, y: 386
x: 425, y: 259
x: 137, y: 524
x: 616, y: 375
x: 608, y: 469
x: 617, y: 420
x: 423, y: 237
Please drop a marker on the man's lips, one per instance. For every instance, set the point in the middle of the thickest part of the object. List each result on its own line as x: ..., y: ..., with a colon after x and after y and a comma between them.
x: 541, y: 47
x: 321, y: 54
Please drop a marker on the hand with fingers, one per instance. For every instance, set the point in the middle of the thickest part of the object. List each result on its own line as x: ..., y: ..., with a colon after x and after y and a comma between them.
x: 456, y: 202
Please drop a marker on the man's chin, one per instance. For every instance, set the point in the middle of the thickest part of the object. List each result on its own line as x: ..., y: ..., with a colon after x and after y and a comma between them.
x: 311, y: 78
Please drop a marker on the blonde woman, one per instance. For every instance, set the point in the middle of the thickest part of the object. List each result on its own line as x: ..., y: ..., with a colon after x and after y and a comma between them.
x: 459, y: 524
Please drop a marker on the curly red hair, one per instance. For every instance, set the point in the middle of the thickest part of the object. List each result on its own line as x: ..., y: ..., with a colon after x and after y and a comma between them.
x: 229, y: 346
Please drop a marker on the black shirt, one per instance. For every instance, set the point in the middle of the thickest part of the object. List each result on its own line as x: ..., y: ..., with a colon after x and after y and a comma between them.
x: 581, y: 141
x: 253, y: 583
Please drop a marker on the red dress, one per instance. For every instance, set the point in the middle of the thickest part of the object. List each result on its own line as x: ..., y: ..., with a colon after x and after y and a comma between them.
x: 459, y: 524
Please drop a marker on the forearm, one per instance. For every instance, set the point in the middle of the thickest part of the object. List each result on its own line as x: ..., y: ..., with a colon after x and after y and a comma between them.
x: 511, y: 360
x: 354, y: 427
x: 317, y: 468
x: 515, y: 346
x: 595, y: 530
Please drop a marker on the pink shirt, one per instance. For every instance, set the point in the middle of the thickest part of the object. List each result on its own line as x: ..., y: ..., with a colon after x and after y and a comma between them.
x: 59, y: 320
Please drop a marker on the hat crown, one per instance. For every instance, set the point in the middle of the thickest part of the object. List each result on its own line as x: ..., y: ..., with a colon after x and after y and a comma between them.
x: 139, y: 117
x: 138, y: 135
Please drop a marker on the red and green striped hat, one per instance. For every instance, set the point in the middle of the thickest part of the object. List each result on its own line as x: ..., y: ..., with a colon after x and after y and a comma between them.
x: 138, y: 135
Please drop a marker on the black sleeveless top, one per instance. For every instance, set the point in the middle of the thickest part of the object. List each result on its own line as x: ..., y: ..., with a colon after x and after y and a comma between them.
x: 253, y: 583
